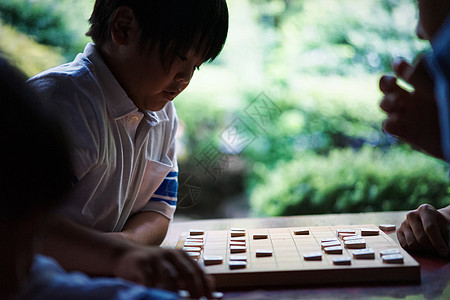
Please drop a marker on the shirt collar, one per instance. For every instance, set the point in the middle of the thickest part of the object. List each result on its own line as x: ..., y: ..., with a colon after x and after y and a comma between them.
x: 118, y: 101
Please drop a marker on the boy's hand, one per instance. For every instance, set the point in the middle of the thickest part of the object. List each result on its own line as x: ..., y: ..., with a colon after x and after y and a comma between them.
x: 164, y: 268
x: 425, y: 230
x: 412, y: 116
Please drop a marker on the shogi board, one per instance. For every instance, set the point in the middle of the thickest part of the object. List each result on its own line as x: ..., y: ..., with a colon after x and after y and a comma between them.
x: 287, y: 265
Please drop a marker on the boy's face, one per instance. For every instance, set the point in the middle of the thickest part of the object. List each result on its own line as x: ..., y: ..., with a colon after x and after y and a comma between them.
x: 151, y: 84
x: 432, y: 14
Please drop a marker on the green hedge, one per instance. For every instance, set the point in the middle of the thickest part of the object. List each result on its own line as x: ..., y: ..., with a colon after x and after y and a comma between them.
x: 349, y: 181
x: 25, y: 53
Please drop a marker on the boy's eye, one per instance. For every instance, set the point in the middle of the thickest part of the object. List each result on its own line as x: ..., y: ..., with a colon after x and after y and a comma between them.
x: 182, y: 58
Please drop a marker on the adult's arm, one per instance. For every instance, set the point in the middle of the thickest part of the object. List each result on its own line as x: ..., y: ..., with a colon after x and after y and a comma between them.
x: 426, y: 229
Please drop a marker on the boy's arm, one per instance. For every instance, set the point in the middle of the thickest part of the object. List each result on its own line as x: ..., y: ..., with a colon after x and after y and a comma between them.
x: 97, y: 254
x: 145, y: 228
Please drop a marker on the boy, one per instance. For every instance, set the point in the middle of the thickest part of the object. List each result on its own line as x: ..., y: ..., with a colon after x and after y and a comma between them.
x: 31, y: 189
x: 116, y: 102
x: 422, y: 119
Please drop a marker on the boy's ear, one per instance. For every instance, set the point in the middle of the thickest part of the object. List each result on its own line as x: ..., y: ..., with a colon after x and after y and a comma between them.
x: 124, y: 26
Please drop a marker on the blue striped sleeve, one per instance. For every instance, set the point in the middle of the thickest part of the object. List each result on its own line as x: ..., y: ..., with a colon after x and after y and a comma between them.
x: 168, y: 190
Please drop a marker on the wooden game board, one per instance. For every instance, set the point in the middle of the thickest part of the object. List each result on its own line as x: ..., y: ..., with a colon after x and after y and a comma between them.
x: 287, y: 265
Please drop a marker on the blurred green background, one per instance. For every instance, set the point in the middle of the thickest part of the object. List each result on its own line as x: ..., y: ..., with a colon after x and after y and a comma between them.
x: 286, y: 120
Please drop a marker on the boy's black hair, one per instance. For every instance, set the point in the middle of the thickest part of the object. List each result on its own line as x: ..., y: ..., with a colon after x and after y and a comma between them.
x: 35, y: 168
x: 178, y: 25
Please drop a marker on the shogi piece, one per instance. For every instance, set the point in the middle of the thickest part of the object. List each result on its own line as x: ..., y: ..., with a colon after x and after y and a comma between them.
x: 263, y: 253
x: 238, y: 258
x: 212, y: 260
x: 194, y: 255
x: 195, y: 238
x: 238, y: 239
x: 312, y: 256
x: 194, y: 232
x: 194, y: 244
x: 301, y: 231
x: 333, y: 250
x: 330, y: 244
x: 330, y: 239
x: 192, y: 249
x: 238, y: 249
x: 364, y: 254
x: 343, y: 235
x: 345, y: 231
x: 234, y: 243
x: 235, y: 232
x: 352, y: 237
x: 393, y: 258
x: 339, y: 261
x: 237, y: 264
x: 237, y: 229
x: 389, y: 251
x: 355, y: 244
x: 260, y: 236
x: 387, y: 227
x: 369, y: 231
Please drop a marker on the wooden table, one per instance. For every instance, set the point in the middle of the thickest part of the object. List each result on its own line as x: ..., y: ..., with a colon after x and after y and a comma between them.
x: 435, y: 272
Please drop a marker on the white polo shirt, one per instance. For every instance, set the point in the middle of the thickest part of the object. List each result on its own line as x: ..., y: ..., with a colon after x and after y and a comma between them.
x: 124, y: 159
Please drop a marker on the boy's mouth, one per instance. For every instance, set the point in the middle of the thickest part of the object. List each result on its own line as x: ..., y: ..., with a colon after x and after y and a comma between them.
x: 170, y: 95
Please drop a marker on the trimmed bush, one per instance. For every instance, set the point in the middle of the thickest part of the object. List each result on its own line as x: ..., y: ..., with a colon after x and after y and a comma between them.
x: 347, y: 181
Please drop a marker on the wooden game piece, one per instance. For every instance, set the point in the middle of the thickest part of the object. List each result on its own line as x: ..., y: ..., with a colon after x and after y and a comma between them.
x: 364, y: 254
x: 369, y: 231
x: 312, y: 256
x: 352, y: 237
x: 237, y: 264
x: 197, y: 238
x: 260, y: 236
x: 355, y: 244
x: 238, y: 249
x: 194, y: 255
x: 393, y: 258
x: 238, y: 239
x: 301, y: 231
x: 192, y: 249
x: 194, y: 244
x: 233, y: 243
x: 238, y: 258
x: 389, y: 251
x: 237, y: 233
x: 387, y: 227
x: 333, y: 250
x: 263, y: 253
x: 345, y: 231
x: 330, y: 244
x: 330, y: 239
x: 237, y: 229
x: 343, y: 235
x: 342, y: 261
x: 194, y: 232
x: 212, y: 260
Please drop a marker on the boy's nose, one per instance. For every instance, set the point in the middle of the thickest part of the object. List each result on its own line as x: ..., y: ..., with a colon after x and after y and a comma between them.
x: 184, y: 77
